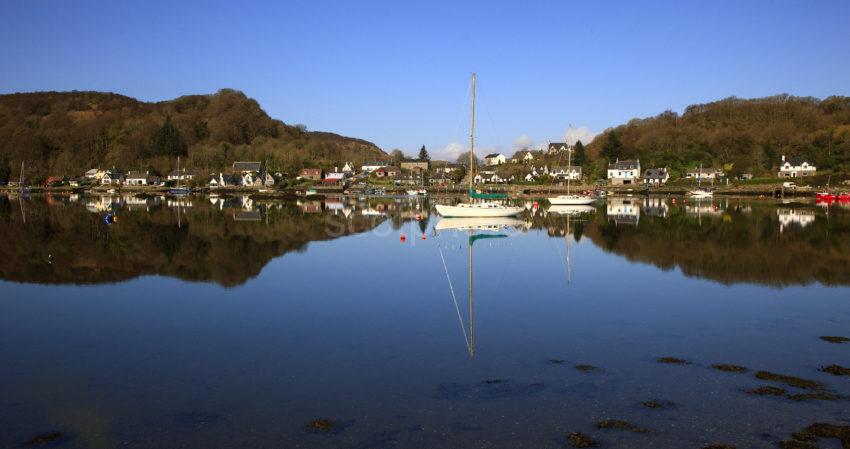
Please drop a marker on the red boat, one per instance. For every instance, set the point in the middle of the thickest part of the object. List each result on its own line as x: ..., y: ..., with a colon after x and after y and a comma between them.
x: 826, y: 196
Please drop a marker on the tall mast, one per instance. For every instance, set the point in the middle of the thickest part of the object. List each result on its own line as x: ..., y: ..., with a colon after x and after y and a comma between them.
x: 472, y: 137
x: 569, y: 167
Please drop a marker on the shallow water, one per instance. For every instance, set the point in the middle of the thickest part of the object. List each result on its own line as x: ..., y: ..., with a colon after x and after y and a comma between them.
x: 235, y: 323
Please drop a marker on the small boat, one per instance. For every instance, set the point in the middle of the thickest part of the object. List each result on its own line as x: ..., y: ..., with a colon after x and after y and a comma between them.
x: 415, y: 192
x: 701, y: 193
x: 311, y: 192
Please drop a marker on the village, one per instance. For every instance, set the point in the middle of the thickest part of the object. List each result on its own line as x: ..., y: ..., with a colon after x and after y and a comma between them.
x: 525, y: 170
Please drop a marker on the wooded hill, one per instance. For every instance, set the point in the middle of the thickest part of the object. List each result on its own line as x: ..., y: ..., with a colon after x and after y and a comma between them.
x: 750, y: 134
x: 66, y: 133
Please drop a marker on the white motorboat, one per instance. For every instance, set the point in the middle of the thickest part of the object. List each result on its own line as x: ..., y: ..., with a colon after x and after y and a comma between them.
x: 701, y: 193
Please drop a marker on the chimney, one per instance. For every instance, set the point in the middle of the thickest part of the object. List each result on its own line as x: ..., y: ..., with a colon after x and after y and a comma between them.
x: 783, y: 158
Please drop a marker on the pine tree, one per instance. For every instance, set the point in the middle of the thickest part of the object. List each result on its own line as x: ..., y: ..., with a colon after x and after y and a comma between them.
x: 5, y: 170
x: 423, y: 154
x: 579, y: 155
x: 167, y: 141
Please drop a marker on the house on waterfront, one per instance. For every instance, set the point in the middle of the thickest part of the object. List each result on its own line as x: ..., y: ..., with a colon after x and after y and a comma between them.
x: 136, y: 178
x: 494, y: 159
x: 439, y: 179
x: 112, y: 179
x: 563, y: 173
x: 656, y: 176
x: 182, y: 175
x: 795, y: 167
x: 94, y: 174
x: 704, y: 174
x: 334, y: 179
x: 245, y: 167
x: 388, y: 172
x: 558, y: 147
x: 625, y: 172
x: 222, y: 180
x: 313, y: 174
x: 488, y: 177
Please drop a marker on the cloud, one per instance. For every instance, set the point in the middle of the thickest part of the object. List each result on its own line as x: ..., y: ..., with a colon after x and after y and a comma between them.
x: 450, y: 152
x: 581, y: 133
x: 522, y: 142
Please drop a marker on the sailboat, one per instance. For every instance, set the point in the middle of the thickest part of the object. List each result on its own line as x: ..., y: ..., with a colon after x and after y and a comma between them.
x: 570, y: 200
x: 24, y: 189
x: 469, y: 208
x: 179, y: 189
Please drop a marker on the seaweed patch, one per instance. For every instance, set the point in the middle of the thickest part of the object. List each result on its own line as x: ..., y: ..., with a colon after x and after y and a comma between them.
x: 836, y: 370
x: 578, y: 439
x: 791, y: 381
x: 835, y: 339
x: 623, y: 425
x: 729, y: 368
x: 673, y: 361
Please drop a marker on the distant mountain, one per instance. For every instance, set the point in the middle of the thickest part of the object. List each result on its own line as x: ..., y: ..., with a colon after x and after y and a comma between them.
x: 750, y: 134
x: 66, y: 133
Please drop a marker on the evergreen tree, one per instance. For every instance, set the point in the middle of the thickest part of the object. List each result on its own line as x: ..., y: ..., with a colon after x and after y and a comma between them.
x: 423, y: 154
x: 612, y: 147
x: 579, y: 155
x: 167, y: 141
x: 5, y: 169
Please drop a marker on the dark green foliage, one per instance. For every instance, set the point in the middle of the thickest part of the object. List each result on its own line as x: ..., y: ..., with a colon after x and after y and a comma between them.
x: 423, y: 154
x: 579, y: 154
x: 5, y: 169
x: 167, y: 142
x: 612, y: 147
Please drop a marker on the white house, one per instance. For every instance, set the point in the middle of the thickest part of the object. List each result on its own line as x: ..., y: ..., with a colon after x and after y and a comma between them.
x: 704, y: 174
x: 369, y: 167
x: 624, y: 172
x: 111, y: 178
x: 182, y: 175
x: 656, y: 176
x: 563, y: 174
x: 348, y: 167
x: 487, y: 178
x: 557, y: 147
x: 523, y: 156
x: 794, y: 167
x: 494, y: 159
x: 136, y: 178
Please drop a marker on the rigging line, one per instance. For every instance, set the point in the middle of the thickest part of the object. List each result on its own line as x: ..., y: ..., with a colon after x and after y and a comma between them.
x: 461, y: 111
x: 454, y: 298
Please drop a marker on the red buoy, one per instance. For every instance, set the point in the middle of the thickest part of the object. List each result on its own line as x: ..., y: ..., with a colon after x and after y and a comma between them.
x: 402, y: 237
x: 423, y: 236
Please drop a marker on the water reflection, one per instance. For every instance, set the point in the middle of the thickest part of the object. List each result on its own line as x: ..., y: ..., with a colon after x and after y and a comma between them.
x: 228, y: 240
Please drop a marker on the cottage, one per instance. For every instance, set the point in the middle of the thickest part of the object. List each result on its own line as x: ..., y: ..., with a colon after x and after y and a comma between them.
x: 348, y: 167
x: 245, y: 167
x: 225, y: 180
x: 563, y: 174
x: 558, y: 147
x: 112, y: 178
x: 745, y: 177
x: 373, y: 166
x: 494, y: 159
x: 704, y: 174
x: 94, y: 173
x: 182, y: 175
x: 313, y: 174
x: 523, y: 156
x: 444, y: 167
x: 794, y: 167
x: 487, y: 178
x: 390, y: 172
x: 335, y: 179
x: 136, y: 178
x: 415, y: 165
x: 54, y: 181
x: 624, y: 172
x: 656, y: 176
x: 439, y: 178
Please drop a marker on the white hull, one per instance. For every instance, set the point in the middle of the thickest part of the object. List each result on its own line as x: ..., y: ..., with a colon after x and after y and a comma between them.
x: 571, y: 200
x: 478, y: 210
x: 570, y: 209
x: 701, y: 193
x: 479, y: 223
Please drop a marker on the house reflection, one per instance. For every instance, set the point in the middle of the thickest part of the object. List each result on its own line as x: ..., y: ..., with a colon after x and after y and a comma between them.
x: 789, y: 217
x: 623, y: 210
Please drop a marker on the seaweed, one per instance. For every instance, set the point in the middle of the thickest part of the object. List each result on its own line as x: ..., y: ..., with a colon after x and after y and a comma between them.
x: 790, y: 380
x: 557, y: 361
x: 808, y: 437
x: 322, y: 425
x: 719, y: 446
x: 586, y: 368
x: 816, y: 396
x: 620, y: 424
x: 835, y: 339
x: 729, y: 368
x: 836, y: 370
x: 44, y: 439
x: 766, y: 391
x: 492, y: 381
x: 673, y: 361
x: 655, y: 404
x: 578, y: 439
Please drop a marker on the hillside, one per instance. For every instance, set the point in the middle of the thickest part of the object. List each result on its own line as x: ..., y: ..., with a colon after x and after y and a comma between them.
x: 66, y: 133
x: 751, y: 134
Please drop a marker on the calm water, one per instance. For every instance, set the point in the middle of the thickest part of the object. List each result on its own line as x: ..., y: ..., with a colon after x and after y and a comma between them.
x: 209, y: 322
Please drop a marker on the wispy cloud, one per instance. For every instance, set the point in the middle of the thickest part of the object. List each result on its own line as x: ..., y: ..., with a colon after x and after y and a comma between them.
x: 573, y: 135
x: 522, y: 142
x: 450, y: 152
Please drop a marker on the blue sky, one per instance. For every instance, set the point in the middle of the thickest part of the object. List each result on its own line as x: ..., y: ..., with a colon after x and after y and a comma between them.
x: 398, y: 74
